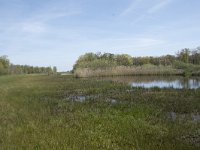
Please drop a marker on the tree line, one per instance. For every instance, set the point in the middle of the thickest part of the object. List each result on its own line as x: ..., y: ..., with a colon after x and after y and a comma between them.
x: 99, y: 60
x: 8, y: 68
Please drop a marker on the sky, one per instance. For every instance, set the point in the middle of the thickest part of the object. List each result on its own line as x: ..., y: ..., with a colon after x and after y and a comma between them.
x: 57, y: 32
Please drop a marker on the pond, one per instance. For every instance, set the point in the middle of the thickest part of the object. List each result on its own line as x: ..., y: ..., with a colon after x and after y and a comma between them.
x: 177, y: 82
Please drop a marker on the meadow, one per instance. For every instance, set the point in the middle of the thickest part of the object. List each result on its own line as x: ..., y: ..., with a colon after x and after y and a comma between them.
x: 63, y: 112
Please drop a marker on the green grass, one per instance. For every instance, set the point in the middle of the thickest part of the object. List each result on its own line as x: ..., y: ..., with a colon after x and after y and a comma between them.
x: 37, y: 112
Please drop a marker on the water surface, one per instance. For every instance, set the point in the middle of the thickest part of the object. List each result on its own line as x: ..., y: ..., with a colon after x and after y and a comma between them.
x: 177, y: 82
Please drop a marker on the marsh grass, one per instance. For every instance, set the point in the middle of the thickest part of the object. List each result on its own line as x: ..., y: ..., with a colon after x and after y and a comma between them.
x: 127, y: 71
x: 34, y: 114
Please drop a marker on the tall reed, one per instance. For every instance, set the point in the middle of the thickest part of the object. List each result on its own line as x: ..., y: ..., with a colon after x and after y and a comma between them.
x: 127, y: 70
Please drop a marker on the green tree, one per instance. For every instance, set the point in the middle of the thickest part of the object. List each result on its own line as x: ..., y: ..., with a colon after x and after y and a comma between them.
x: 195, y: 56
x: 83, y: 60
x: 4, y: 65
x: 183, y: 55
x: 54, y: 70
x: 124, y: 59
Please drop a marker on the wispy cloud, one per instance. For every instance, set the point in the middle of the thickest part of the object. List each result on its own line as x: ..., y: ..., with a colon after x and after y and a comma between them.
x: 131, y: 8
x: 124, y: 44
x: 144, y: 8
x: 57, y: 9
x: 159, y: 6
x: 33, y: 27
x: 51, y: 15
x: 39, y: 20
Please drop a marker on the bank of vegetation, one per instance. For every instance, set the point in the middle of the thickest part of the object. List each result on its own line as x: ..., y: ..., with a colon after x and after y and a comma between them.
x: 8, y: 68
x: 186, y: 62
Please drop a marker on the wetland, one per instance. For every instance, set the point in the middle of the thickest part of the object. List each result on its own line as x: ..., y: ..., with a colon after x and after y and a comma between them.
x: 63, y: 112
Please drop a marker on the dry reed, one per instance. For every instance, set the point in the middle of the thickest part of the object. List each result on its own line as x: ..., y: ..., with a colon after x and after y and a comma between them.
x: 127, y: 71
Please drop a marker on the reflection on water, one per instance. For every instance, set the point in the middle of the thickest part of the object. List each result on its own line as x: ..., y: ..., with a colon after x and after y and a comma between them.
x: 177, y: 82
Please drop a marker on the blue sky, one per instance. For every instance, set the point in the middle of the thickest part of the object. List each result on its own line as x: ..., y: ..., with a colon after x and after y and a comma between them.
x: 57, y: 32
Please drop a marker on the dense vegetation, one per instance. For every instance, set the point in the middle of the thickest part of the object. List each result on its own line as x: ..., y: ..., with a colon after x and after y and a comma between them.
x: 185, y: 62
x: 62, y: 112
x: 7, y: 68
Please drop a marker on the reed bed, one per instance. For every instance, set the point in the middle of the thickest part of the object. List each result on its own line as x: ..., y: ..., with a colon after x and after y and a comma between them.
x: 127, y: 71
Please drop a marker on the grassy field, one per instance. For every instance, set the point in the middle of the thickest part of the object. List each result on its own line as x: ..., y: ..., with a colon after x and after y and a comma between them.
x: 62, y: 112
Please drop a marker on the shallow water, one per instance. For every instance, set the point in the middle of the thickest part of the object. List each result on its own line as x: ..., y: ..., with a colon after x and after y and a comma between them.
x: 83, y: 98
x: 177, y: 82
x: 77, y: 98
x: 192, y: 116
